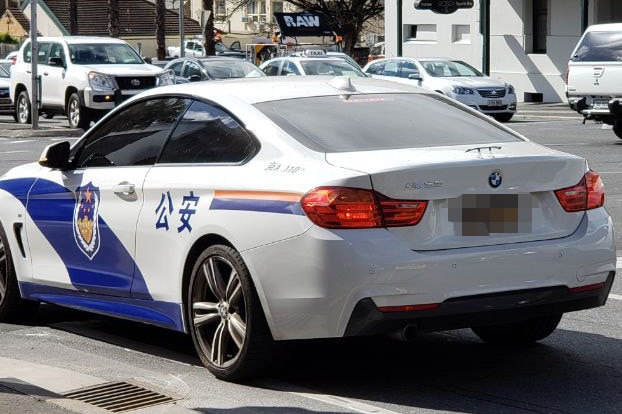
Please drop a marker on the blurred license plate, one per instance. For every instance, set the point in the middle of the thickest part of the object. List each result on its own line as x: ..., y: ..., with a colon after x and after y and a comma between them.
x: 483, y: 214
x: 495, y: 102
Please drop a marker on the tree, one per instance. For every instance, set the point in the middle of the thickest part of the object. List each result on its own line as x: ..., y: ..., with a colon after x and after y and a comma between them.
x: 113, y: 18
x: 208, y: 29
x: 73, y: 17
x: 346, y: 17
x: 160, y: 23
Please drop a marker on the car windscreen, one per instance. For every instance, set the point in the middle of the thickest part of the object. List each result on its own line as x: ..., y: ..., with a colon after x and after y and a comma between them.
x: 4, y: 73
x: 229, y: 69
x: 368, y: 122
x: 599, y: 47
x: 331, y: 67
x: 449, y: 68
x: 103, y: 54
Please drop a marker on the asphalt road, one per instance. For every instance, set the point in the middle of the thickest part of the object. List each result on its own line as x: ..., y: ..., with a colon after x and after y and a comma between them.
x: 577, y: 370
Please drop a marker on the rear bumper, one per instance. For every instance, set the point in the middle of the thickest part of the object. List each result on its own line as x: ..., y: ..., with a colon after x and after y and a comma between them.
x: 584, y: 106
x: 478, y: 310
x: 311, y: 286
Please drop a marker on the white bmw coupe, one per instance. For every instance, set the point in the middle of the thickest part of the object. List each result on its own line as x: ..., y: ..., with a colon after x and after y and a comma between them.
x: 251, y: 211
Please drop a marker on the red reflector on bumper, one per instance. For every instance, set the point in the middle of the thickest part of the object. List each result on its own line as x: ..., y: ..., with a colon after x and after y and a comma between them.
x: 409, y: 308
x: 586, y: 288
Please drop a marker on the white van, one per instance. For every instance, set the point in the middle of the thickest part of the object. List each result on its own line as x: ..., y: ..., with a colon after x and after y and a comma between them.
x: 594, y: 76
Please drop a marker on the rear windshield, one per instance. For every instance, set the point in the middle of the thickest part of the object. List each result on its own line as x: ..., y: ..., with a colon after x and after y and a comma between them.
x: 599, y: 47
x: 381, y: 121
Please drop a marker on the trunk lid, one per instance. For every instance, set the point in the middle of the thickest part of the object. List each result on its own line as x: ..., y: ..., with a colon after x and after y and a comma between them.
x: 464, y: 209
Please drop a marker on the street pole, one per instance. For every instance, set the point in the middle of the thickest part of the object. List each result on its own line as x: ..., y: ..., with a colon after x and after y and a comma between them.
x: 484, y: 21
x: 182, y: 49
x: 34, y: 62
x: 400, y: 31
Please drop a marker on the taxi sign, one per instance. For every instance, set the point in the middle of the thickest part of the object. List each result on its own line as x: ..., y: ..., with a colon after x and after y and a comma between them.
x: 314, y: 53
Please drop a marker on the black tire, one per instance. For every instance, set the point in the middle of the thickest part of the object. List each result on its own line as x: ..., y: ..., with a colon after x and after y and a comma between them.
x: 519, y: 333
x: 12, y: 307
x: 23, y: 112
x: 503, y: 117
x: 617, y: 129
x: 223, y: 309
x: 77, y: 115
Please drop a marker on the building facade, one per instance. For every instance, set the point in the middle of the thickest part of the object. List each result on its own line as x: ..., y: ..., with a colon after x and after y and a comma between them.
x: 529, y: 42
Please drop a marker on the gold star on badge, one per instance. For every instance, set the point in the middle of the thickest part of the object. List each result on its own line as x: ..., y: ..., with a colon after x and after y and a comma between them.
x: 88, y: 195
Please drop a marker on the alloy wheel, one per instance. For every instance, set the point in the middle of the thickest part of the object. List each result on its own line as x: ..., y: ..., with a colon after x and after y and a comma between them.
x: 219, y: 311
x: 74, y: 112
x: 23, y: 108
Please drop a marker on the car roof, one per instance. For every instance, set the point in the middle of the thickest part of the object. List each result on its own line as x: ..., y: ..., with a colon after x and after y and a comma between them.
x: 608, y: 27
x: 275, y: 88
x: 81, y: 39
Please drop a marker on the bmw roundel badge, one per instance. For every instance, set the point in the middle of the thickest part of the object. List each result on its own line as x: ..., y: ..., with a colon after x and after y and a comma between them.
x: 495, y: 179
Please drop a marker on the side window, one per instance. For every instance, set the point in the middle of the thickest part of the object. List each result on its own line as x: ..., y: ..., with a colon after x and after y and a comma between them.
x: 176, y: 67
x: 133, y: 136
x: 289, y: 68
x: 272, y: 69
x: 207, y: 134
x: 376, y: 68
x: 408, y: 68
x: 44, y: 48
x: 390, y: 68
x: 56, y: 50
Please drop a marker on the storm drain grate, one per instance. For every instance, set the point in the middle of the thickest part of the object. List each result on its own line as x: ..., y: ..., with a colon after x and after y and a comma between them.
x: 119, y: 397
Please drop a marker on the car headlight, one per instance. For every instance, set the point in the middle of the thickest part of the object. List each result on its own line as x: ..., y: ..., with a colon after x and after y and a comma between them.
x: 460, y: 90
x: 510, y: 89
x: 166, y: 78
x: 101, y: 81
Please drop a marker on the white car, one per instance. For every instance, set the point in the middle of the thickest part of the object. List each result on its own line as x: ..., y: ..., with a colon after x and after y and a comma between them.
x: 311, y: 62
x: 251, y: 211
x: 594, y: 75
x: 453, y: 78
x: 82, y: 77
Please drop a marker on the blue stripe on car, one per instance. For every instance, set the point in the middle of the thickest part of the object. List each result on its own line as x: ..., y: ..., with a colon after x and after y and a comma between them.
x: 163, y: 314
x: 266, y: 206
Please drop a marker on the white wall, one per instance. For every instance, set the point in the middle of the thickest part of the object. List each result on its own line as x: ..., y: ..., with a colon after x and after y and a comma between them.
x: 510, y: 41
x: 45, y: 25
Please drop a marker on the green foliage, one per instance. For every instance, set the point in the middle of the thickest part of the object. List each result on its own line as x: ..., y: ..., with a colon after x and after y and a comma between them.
x: 7, y: 38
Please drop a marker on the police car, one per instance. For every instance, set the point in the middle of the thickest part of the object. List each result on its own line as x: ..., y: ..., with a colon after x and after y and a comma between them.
x: 229, y: 211
x: 311, y: 62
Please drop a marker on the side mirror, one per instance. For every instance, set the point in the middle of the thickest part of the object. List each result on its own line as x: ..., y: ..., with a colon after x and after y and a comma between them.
x: 414, y: 76
x: 194, y: 78
x: 55, y: 156
x: 56, y: 61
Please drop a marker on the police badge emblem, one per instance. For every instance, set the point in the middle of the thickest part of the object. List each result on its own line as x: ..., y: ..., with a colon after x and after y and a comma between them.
x: 86, y: 220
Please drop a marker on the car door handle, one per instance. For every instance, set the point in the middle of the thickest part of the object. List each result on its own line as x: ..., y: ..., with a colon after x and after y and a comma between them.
x: 124, y: 188
x: 45, y: 73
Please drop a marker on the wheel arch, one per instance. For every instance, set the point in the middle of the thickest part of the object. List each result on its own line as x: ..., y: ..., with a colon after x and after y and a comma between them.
x: 195, y: 251
x: 68, y: 92
x: 18, y: 89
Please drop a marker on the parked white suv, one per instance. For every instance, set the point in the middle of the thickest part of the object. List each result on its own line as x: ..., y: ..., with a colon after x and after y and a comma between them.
x: 82, y: 77
x: 594, y: 77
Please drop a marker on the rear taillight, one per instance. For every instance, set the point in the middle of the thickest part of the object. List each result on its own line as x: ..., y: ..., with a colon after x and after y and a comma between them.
x: 14, y: 59
x: 587, y: 195
x: 349, y: 208
x: 566, y: 75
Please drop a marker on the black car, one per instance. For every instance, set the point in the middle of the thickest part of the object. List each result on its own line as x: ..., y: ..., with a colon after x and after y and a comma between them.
x: 212, y: 68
